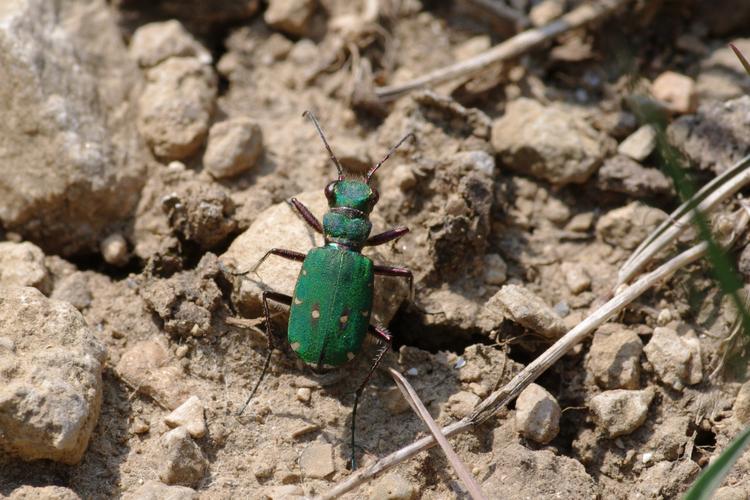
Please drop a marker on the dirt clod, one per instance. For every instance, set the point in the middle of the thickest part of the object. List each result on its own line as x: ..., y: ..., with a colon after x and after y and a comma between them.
x: 676, y: 357
x: 614, y: 357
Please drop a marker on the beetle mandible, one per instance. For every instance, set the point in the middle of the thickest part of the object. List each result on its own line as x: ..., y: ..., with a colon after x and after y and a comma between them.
x: 332, y: 301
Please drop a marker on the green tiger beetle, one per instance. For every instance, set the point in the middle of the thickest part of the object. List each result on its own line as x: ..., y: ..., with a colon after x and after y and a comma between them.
x: 332, y: 302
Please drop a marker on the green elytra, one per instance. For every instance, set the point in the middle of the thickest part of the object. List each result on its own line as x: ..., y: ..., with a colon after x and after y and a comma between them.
x: 332, y: 301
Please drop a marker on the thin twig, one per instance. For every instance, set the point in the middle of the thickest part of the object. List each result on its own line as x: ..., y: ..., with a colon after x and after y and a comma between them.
x: 416, y: 404
x: 711, y: 195
x: 514, y: 46
x: 495, y: 401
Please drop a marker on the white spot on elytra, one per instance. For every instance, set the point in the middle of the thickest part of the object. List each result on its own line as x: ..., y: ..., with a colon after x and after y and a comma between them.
x: 297, y: 301
x: 365, y: 313
x: 315, y: 314
x: 304, y: 272
x: 343, y: 319
x: 295, y: 346
x: 350, y: 356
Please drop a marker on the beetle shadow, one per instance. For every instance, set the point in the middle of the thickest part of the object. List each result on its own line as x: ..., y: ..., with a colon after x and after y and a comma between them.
x: 384, y: 420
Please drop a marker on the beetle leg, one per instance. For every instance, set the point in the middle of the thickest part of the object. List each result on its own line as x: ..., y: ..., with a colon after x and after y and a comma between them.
x: 384, y: 335
x: 281, y: 252
x: 282, y: 299
x: 386, y: 236
x: 311, y: 220
x: 396, y: 271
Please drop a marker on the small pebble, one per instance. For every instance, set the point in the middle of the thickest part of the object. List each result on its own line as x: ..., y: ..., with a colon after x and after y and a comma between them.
x: 181, y: 461
x: 546, y: 11
x: 304, y: 394
x: 620, y: 412
x: 537, y: 414
x: 234, y: 146
x: 580, y: 223
x: 316, y: 460
x: 495, y: 269
x: 305, y: 429
x: 676, y: 91
x: 290, y: 16
x: 576, y: 277
x: 639, y: 144
x: 114, y: 250
x: 392, y: 486
x: 664, y: 317
x: 530, y: 311
x: 140, y: 426
x: 181, y: 351
x: 412, y: 372
x: 191, y: 415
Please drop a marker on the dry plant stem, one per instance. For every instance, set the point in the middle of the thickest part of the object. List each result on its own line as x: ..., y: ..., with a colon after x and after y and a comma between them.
x: 712, y: 194
x: 512, y: 47
x: 416, y: 404
x: 503, y: 396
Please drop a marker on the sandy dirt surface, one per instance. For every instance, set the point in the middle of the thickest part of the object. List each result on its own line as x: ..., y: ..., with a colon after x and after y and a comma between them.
x: 149, y: 151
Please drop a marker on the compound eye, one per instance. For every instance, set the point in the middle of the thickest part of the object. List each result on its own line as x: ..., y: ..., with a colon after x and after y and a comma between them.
x: 374, y: 197
x: 330, y: 191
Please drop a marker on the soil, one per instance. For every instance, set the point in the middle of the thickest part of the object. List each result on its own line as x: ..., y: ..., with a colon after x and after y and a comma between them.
x: 554, y: 211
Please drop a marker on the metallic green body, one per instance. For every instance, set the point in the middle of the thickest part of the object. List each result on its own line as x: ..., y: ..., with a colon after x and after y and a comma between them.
x: 331, y: 306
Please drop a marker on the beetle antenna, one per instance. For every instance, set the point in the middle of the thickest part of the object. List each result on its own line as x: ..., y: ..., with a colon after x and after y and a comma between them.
x: 393, y: 149
x: 311, y: 116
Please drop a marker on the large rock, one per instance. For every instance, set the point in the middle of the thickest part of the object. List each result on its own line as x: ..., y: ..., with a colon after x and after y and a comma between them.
x: 50, y: 377
x: 71, y: 164
x: 548, y: 142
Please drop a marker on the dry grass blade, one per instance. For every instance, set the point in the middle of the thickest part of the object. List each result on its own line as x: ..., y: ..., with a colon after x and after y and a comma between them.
x: 416, y: 404
x: 741, y: 57
x: 513, y: 47
x: 712, y: 194
x: 504, y: 395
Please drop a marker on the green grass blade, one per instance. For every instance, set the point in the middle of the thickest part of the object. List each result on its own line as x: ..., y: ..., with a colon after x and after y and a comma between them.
x: 712, y: 477
x: 742, y: 59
